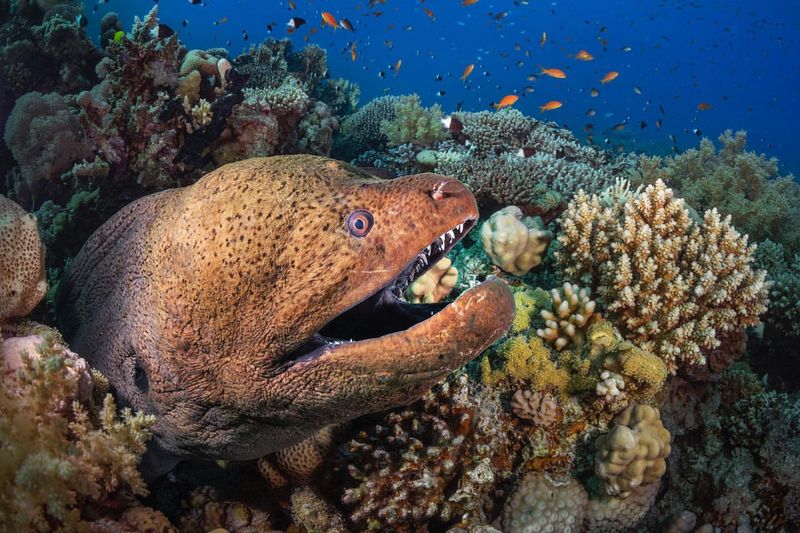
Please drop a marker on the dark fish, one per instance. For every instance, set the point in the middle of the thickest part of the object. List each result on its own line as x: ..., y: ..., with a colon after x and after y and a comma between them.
x: 440, y: 93
x: 660, y: 108
x: 672, y: 138
x: 526, y: 151
x: 344, y: 23
x: 162, y: 31
x: 619, y: 126
x: 244, y: 35
x: 295, y: 22
x: 642, y: 125
x: 590, y: 112
x: 185, y: 23
x: 452, y: 123
x: 697, y: 132
x: 658, y: 124
x: 438, y: 77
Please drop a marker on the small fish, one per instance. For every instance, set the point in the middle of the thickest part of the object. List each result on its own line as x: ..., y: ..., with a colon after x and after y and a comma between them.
x: 642, y: 125
x: 529, y: 89
x: 382, y: 75
x: 452, y: 123
x: 330, y: 20
x: 525, y: 151
x: 185, y: 23
x: 353, y: 53
x: 466, y: 3
x: 397, y: 67
x: 291, y: 4
x: 543, y: 40
x: 223, y: 20
x: 590, y: 112
x: 429, y: 13
x: 81, y: 21
x: 553, y: 72
x: 195, y: 1
x: 672, y: 138
x: 467, y: 72
x: 507, y: 100
x: 118, y: 36
x: 610, y: 76
x: 703, y: 106
x: 588, y: 128
x: 440, y: 93
x: 697, y: 132
x: 594, y: 92
x: 661, y: 108
x: 658, y: 123
x: 637, y: 90
x: 626, y: 48
x: 161, y: 31
x: 295, y: 22
x: 389, y: 44
x: 499, y: 16
x: 245, y: 36
x: 438, y: 77
x: 619, y: 126
x: 583, y: 55
x: 344, y: 23
x: 549, y: 106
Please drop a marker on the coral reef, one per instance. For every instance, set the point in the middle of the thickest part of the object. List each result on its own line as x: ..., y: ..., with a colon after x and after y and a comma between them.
x: 673, y: 286
x: 513, y: 242
x: 22, y: 273
x: 742, y: 184
x: 63, y: 464
x: 573, y: 312
x: 414, y: 124
x: 538, y: 504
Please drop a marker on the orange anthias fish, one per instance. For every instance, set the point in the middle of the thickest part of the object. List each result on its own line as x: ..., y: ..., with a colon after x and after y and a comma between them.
x: 583, y: 55
x: 353, y: 52
x: 330, y: 20
x: 543, y: 41
x: 466, y: 3
x: 553, y: 72
x: 549, y: 106
x: 508, y: 100
x: 467, y: 71
x: 610, y: 76
x: 703, y: 106
x: 429, y: 13
x: 397, y: 67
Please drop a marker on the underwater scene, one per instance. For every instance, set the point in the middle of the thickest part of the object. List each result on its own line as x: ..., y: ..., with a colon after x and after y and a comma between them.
x: 465, y: 266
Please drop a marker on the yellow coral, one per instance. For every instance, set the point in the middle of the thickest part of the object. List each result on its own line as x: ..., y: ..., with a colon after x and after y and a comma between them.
x: 528, y: 302
x: 529, y: 360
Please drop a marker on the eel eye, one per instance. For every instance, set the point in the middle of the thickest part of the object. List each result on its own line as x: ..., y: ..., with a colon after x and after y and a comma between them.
x: 359, y: 222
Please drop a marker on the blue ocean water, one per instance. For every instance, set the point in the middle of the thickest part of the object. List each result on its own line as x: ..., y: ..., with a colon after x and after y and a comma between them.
x: 738, y: 56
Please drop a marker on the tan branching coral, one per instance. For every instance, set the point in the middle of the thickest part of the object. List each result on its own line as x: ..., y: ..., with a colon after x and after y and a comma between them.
x: 513, y: 242
x: 22, y: 272
x: 671, y: 285
x: 573, y: 312
x: 435, y: 284
x: 541, y: 408
x: 57, y: 462
x: 201, y: 113
x: 633, y: 453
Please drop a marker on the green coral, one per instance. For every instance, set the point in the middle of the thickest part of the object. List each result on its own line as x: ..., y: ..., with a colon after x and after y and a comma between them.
x: 742, y: 184
x: 415, y: 124
x: 56, y: 461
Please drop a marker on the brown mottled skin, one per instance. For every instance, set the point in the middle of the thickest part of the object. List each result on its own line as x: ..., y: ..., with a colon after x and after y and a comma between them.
x: 189, y: 301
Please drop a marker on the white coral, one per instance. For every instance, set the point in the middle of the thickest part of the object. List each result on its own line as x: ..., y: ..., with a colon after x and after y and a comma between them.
x: 514, y: 243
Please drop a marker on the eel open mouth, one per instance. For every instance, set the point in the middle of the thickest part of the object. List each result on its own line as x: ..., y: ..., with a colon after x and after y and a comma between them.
x: 384, y: 312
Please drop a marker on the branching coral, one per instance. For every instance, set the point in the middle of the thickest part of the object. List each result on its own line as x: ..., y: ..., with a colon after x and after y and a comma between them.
x: 362, y: 129
x: 435, y: 284
x: 742, y: 184
x: 22, y: 274
x: 573, y: 312
x: 413, y: 123
x: 633, y: 453
x: 56, y: 460
x: 513, y: 242
x: 673, y: 286
x: 541, y: 408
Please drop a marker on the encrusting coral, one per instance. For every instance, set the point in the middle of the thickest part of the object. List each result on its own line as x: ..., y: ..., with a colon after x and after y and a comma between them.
x: 514, y: 243
x: 633, y: 452
x: 673, y: 286
x: 58, y: 462
x: 22, y: 272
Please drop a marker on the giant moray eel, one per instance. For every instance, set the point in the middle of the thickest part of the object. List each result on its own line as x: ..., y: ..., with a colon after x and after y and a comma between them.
x: 262, y: 303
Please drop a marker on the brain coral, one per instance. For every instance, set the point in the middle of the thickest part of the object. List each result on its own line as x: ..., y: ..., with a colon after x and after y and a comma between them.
x: 22, y: 272
x: 634, y: 452
x: 672, y: 285
x: 514, y: 243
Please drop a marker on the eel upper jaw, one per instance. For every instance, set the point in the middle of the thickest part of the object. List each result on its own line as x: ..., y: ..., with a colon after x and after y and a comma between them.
x: 384, y: 312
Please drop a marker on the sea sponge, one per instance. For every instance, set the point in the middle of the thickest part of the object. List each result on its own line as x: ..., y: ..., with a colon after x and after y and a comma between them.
x: 538, y: 504
x: 435, y: 284
x: 573, y: 312
x: 671, y: 285
x: 633, y: 453
x: 22, y: 271
x: 514, y: 243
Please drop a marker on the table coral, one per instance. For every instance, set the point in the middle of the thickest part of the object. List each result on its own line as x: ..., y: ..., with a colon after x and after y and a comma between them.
x: 633, y: 453
x: 22, y: 272
x: 513, y: 242
x: 672, y: 285
x: 573, y: 312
